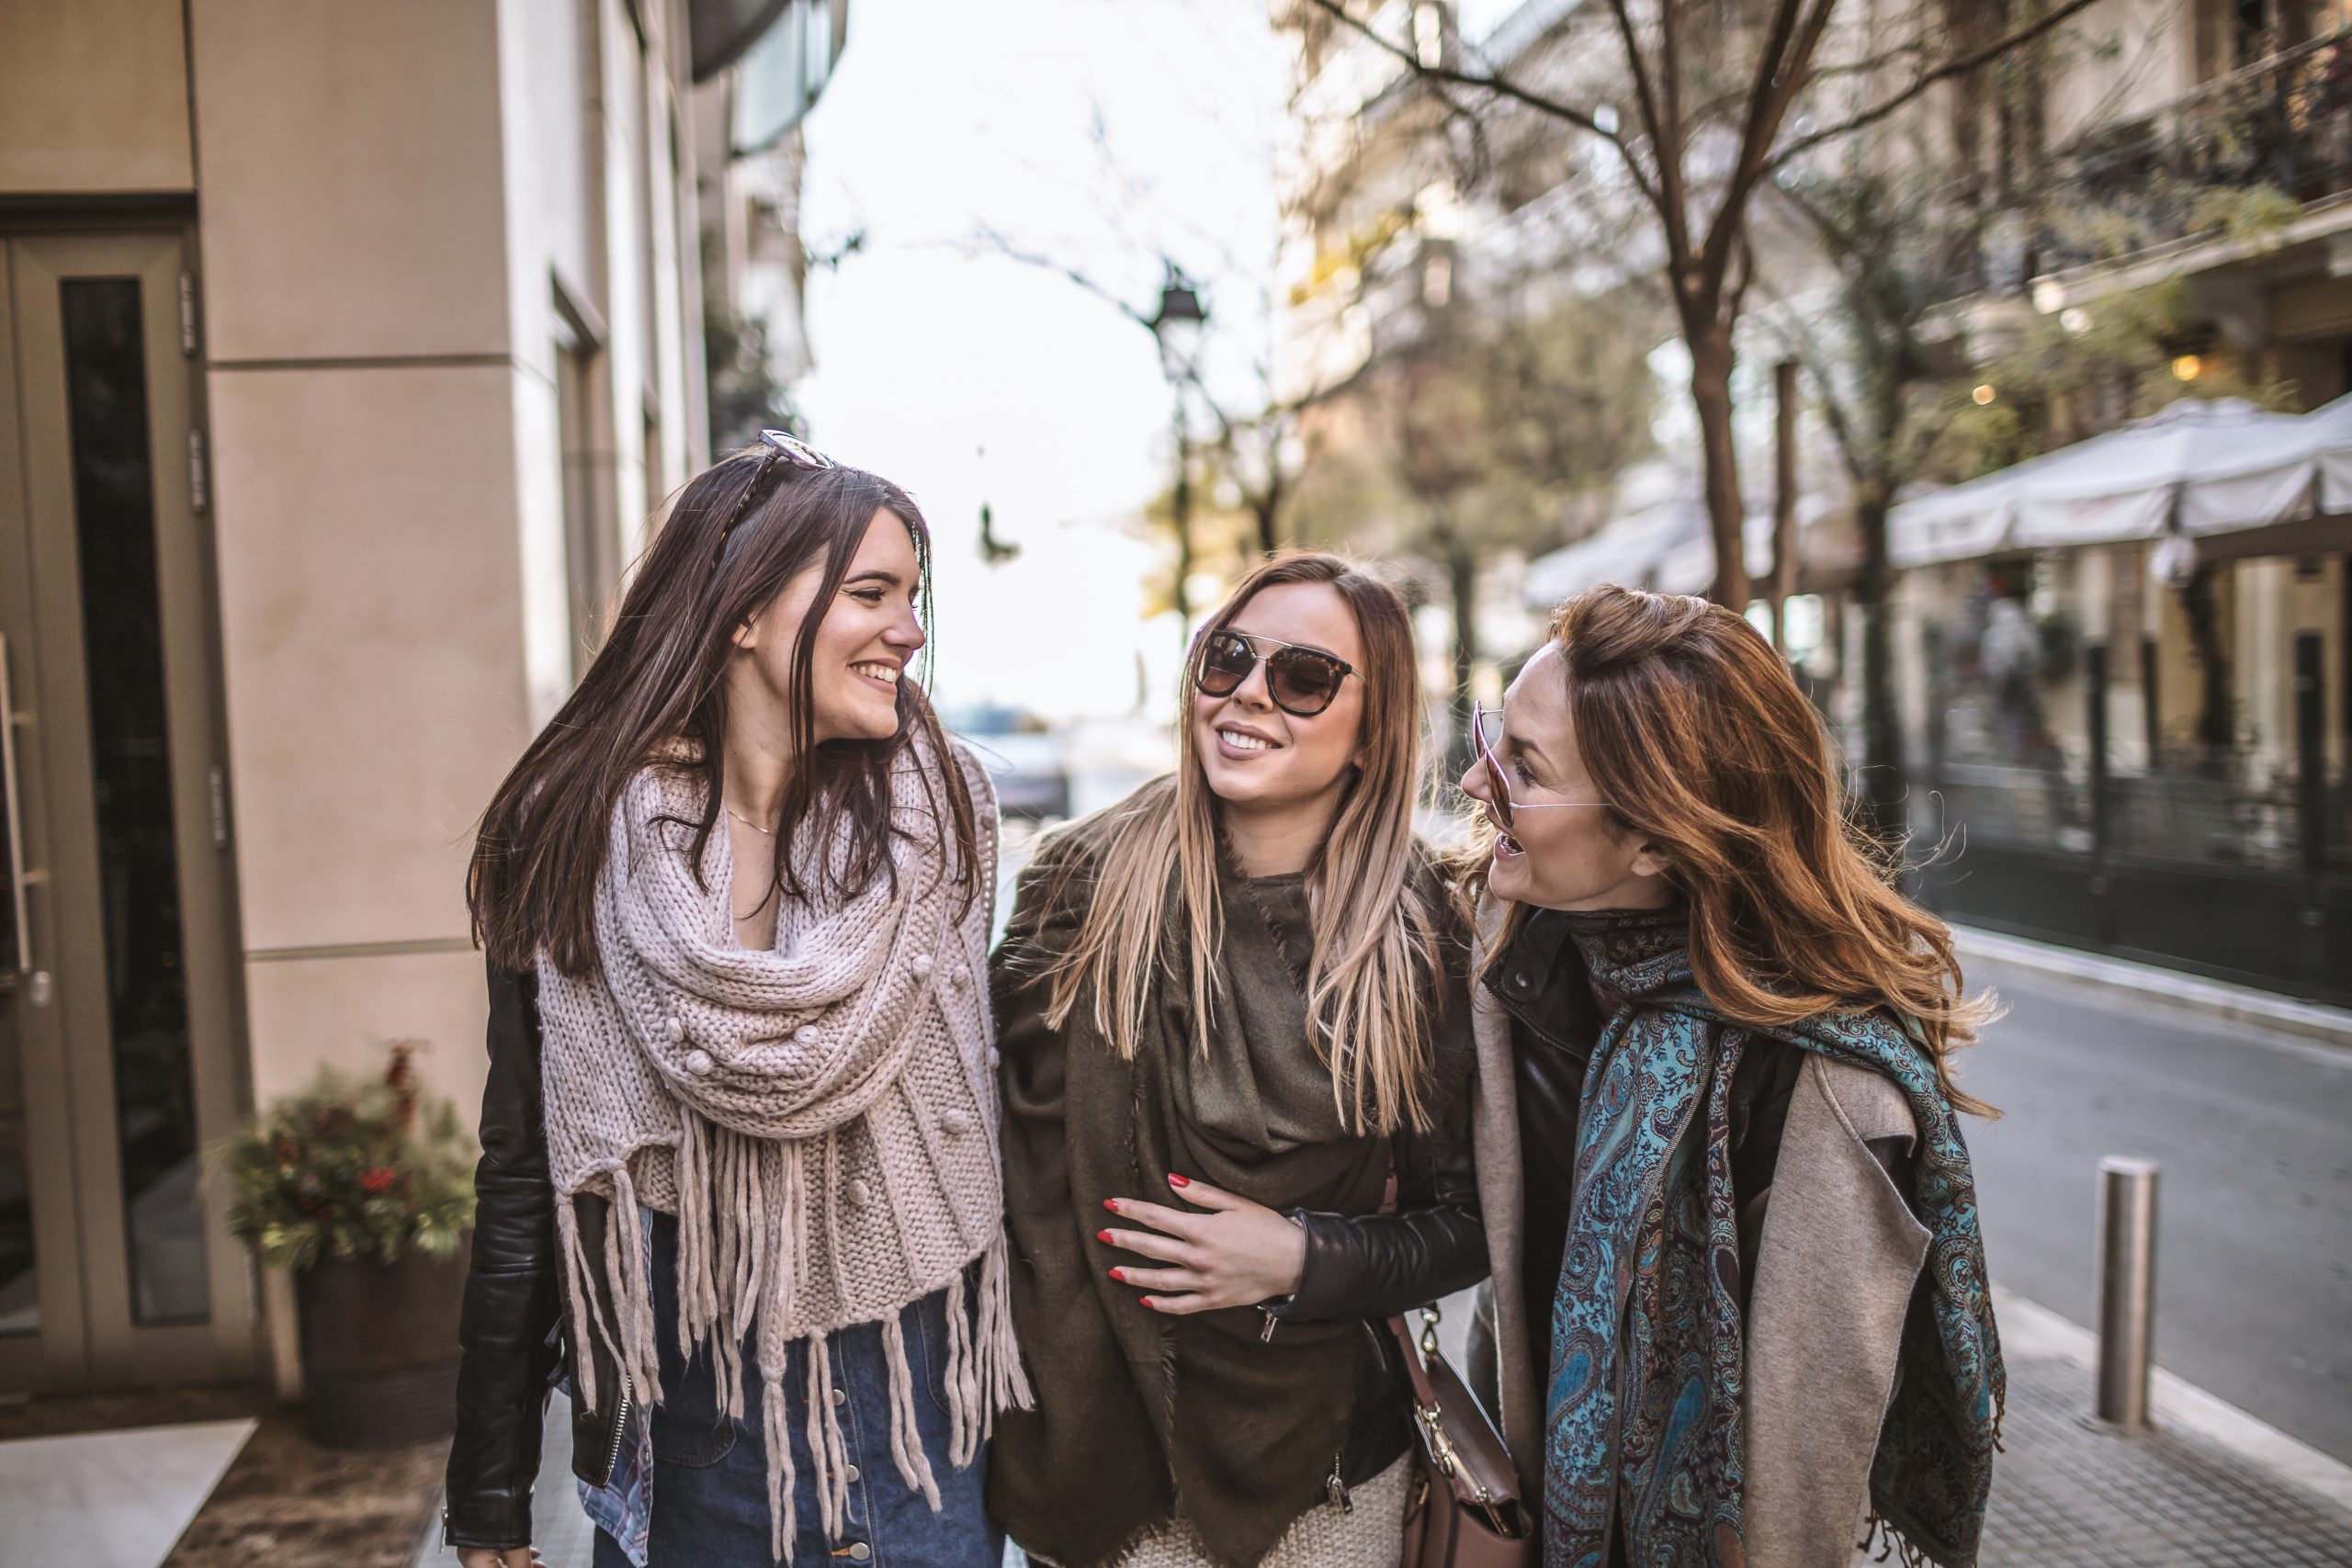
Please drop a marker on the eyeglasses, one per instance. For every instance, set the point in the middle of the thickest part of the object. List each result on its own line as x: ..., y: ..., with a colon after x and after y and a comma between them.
x: 795, y: 453
x: 1301, y: 680
x: 1505, y: 806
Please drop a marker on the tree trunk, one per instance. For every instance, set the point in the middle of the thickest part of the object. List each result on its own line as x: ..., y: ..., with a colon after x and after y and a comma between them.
x: 1462, y: 577
x: 1882, y: 782
x: 1269, y: 538
x: 1711, y: 367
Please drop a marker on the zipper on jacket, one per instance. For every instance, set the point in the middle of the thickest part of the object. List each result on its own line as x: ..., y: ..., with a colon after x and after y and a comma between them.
x: 1336, y: 1489
x: 620, y: 1430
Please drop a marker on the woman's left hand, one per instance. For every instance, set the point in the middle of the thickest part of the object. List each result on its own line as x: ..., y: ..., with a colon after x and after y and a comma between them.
x: 1237, y: 1254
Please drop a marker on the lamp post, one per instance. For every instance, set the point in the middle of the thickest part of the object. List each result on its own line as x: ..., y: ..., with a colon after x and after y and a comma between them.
x: 1178, y: 329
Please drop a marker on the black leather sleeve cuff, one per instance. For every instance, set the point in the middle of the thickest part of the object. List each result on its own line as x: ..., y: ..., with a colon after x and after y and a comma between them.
x: 496, y: 1521
x: 1328, y: 1276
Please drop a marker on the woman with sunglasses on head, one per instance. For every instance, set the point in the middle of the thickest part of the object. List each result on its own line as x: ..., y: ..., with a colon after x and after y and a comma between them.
x: 1232, y: 1016
x: 1739, y: 1302
x: 739, y: 1180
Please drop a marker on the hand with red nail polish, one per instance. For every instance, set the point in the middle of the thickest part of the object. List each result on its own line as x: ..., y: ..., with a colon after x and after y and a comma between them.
x: 1238, y: 1253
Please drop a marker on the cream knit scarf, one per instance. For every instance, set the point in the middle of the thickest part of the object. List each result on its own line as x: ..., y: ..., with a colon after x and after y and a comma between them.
x: 820, y: 1118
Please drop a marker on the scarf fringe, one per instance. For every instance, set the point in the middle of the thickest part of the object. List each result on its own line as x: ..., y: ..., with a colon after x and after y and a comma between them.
x: 906, y: 1439
x: 734, y: 1283
x: 1891, y: 1541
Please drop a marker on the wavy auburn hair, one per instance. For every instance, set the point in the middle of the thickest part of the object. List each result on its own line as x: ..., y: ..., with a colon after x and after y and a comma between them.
x: 1699, y: 740
x: 656, y: 696
x: 1373, y: 973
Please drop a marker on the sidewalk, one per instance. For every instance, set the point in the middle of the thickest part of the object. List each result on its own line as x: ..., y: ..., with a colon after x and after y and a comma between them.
x: 2208, y: 1485
x: 2151, y: 982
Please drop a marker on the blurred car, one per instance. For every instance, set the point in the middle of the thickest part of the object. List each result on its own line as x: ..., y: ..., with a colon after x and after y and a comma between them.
x: 1022, y: 756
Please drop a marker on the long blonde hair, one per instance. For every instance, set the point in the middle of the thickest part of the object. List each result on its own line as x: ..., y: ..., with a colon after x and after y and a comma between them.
x: 1375, y: 973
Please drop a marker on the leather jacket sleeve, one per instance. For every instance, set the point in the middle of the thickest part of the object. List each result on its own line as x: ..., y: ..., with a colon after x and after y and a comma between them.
x: 1375, y: 1265
x: 507, y: 1333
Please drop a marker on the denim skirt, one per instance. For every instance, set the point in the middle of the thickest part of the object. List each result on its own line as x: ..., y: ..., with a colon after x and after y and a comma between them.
x: 708, y: 1494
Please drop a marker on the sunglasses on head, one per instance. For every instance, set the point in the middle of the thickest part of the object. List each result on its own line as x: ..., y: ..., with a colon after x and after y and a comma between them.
x: 775, y: 444
x: 1302, y: 682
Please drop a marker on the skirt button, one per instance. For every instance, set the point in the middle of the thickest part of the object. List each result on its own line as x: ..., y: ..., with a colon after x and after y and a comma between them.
x: 858, y: 1551
x: 840, y: 1397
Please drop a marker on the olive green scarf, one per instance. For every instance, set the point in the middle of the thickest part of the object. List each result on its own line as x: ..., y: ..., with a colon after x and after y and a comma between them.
x: 1140, y: 1416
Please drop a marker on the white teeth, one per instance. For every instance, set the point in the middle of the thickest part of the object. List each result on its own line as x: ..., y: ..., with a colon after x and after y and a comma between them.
x: 1241, y: 742
x: 879, y: 672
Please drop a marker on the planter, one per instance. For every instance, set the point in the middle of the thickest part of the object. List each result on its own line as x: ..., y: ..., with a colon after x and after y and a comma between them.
x: 380, y: 1348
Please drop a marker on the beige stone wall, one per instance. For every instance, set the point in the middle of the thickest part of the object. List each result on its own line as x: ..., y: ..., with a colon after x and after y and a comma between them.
x: 394, y: 198
x: 93, y: 97
x: 357, y: 367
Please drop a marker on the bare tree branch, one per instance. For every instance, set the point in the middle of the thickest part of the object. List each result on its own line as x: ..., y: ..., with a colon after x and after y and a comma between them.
x: 1959, y: 65
x: 1501, y: 87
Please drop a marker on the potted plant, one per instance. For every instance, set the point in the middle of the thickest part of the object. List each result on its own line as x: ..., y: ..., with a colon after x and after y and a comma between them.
x: 364, y: 1191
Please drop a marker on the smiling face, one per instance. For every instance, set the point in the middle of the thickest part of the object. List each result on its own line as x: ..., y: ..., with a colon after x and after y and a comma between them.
x: 867, y: 637
x: 1560, y: 850
x: 1259, y: 760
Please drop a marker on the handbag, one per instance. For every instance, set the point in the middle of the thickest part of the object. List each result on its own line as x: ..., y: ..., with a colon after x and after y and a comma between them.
x: 1466, y: 1510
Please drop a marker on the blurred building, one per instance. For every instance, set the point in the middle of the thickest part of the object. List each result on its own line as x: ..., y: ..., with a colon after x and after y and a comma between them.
x: 346, y: 352
x: 2187, y: 802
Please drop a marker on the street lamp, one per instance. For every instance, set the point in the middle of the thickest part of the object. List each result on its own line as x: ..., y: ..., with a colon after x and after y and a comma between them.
x: 1178, y: 329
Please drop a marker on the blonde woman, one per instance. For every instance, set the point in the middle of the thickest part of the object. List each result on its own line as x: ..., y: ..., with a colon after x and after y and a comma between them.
x: 1230, y: 1007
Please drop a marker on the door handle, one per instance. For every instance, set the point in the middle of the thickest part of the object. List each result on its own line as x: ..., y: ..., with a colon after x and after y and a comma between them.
x: 16, y: 942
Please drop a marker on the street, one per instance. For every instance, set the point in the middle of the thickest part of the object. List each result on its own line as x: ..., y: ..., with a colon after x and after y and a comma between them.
x: 2253, y: 1260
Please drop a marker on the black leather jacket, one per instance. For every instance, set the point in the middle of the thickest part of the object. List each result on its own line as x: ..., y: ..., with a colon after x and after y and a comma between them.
x: 513, y: 1335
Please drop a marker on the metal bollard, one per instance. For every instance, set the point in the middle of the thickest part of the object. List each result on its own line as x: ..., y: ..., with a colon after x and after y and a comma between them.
x: 2126, y: 1288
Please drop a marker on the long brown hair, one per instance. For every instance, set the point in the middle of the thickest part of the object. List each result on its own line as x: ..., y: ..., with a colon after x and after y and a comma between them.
x: 1696, y: 736
x: 656, y: 696
x: 1376, y: 966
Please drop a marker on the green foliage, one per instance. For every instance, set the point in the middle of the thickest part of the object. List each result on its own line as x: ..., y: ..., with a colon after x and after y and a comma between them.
x: 352, y: 1170
x: 2064, y: 382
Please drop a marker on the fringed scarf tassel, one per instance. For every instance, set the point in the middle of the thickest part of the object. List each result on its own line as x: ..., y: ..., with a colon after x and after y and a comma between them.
x: 738, y: 1279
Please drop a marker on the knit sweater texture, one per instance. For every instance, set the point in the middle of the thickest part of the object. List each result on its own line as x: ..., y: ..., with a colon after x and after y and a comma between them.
x: 820, y: 1118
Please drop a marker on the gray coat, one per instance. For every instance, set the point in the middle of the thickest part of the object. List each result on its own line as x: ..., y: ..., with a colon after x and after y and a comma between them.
x: 1835, y: 1268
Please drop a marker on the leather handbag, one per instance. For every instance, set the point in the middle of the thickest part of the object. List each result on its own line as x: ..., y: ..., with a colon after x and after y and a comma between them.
x: 1466, y: 1510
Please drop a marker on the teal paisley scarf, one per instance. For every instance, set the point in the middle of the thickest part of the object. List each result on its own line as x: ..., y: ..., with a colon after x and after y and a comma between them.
x: 1642, y: 1429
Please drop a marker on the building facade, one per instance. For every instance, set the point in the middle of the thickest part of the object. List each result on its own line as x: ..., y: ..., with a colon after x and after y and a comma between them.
x: 2115, y: 743
x: 346, y: 356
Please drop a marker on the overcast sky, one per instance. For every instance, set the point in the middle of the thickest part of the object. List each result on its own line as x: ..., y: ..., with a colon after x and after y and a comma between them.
x: 946, y: 118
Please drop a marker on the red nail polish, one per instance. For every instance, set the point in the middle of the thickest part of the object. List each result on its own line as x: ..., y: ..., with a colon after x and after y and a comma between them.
x: 1116, y: 1275
x: 1176, y: 1180
x: 1148, y: 1301
x: 1103, y: 1236
x: 1111, y: 1204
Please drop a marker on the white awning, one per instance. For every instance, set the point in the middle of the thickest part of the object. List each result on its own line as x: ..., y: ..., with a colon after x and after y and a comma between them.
x: 2202, y: 466
x: 2281, y: 475
x: 1667, y: 545
x: 1628, y: 550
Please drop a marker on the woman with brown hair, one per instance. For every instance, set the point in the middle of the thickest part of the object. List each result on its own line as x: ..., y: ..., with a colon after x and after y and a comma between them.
x: 1739, y: 1309
x: 1232, y: 1020
x: 739, y: 1178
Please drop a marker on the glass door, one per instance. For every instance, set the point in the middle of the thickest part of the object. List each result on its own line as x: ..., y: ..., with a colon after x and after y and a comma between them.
x: 117, y: 1057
